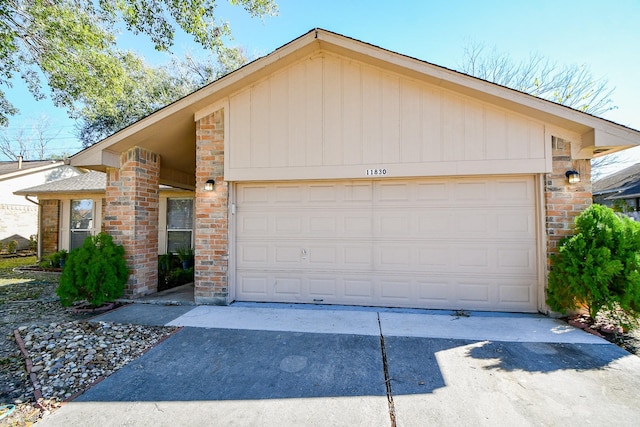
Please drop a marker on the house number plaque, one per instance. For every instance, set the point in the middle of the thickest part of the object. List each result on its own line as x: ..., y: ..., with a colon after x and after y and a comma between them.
x: 376, y: 172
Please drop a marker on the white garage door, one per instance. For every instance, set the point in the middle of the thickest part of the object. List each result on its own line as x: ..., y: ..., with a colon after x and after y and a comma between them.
x: 456, y: 243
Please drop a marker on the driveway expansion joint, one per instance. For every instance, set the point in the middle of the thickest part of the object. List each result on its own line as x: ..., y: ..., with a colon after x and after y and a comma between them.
x: 387, y: 379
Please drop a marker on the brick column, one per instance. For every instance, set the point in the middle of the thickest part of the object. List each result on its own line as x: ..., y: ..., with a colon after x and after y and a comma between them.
x: 211, y: 207
x: 49, y: 227
x: 565, y: 201
x: 131, y: 216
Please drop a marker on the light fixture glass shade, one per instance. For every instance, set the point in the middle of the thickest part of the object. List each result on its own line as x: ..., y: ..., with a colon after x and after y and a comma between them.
x: 208, y: 186
x: 573, y: 177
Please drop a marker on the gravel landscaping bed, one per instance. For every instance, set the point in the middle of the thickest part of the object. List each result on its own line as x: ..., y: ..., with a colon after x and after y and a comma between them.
x: 66, y: 354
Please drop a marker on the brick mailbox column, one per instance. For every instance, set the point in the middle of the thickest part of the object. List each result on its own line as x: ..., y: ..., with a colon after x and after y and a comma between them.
x: 211, y: 208
x: 131, y: 216
x: 565, y: 201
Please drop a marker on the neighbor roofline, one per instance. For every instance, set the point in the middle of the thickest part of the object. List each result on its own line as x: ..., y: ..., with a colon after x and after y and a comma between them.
x: 20, y: 172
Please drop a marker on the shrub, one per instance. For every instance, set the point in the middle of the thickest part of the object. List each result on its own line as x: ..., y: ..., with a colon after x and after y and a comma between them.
x: 54, y: 260
x: 186, y: 256
x: 598, y: 266
x: 96, y: 272
x: 33, y: 242
x: 171, y: 272
x: 12, y: 246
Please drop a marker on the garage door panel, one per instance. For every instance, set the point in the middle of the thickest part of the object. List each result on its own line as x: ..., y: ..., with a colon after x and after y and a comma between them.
x: 253, y: 224
x: 323, y: 287
x: 256, y: 255
x: 434, y: 292
x: 393, y: 192
x: 434, y: 222
x: 392, y: 257
x: 433, y: 193
x: 515, y: 191
x: 436, y: 243
x: 357, y: 193
x: 516, y: 293
x: 358, y: 290
x: 358, y: 256
x: 323, y: 224
x: 288, y: 193
x: 357, y: 225
x: 395, y: 290
x: 470, y: 192
x: 287, y: 287
x: 323, y: 255
x: 516, y: 259
x: 253, y: 287
x: 475, y: 291
x: 516, y: 224
x: 392, y: 224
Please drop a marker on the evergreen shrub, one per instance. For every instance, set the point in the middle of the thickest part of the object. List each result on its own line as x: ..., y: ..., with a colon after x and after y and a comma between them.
x: 598, y: 266
x: 96, y: 272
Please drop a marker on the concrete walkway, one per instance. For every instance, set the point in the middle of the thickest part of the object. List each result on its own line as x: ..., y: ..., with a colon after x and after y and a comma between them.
x: 278, y: 364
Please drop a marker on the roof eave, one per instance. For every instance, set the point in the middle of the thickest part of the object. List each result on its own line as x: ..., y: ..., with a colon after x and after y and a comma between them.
x: 595, y: 136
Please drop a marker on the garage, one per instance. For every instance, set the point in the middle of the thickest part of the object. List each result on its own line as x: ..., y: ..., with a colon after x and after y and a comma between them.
x: 451, y: 243
x: 332, y: 171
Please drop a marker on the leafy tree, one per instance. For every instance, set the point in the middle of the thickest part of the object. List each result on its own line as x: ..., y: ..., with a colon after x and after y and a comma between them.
x: 570, y: 85
x: 598, y: 266
x: 149, y: 89
x: 71, y: 44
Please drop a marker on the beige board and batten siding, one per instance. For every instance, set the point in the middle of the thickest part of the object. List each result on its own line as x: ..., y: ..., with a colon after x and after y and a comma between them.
x: 450, y: 243
x: 327, y: 117
x: 450, y: 223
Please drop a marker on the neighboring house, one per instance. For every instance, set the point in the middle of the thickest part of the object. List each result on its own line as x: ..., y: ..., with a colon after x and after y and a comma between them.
x: 333, y: 171
x: 73, y: 208
x: 18, y: 215
x: 621, y: 189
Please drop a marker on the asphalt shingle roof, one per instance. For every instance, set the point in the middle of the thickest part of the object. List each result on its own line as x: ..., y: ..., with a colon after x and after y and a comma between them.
x: 620, y: 180
x: 90, y: 182
x: 12, y: 166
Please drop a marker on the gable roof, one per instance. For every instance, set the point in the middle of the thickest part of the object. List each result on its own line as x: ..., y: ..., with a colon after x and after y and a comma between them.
x: 170, y: 131
x: 12, y: 169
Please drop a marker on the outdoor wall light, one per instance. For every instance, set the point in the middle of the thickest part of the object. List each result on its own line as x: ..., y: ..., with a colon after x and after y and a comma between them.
x: 208, y: 186
x: 573, y: 177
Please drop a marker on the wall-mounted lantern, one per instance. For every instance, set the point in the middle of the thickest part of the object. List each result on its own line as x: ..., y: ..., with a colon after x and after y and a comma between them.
x: 573, y: 177
x: 209, y: 185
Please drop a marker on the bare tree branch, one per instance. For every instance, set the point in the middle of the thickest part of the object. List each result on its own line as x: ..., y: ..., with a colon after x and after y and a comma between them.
x: 570, y: 85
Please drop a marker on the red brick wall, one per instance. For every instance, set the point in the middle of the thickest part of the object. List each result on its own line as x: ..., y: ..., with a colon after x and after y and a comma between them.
x: 565, y: 201
x: 211, y: 208
x: 131, y: 216
x: 49, y: 226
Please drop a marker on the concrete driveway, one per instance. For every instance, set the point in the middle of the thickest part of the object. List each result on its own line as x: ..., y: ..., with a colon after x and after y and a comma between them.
x: 257, y: 364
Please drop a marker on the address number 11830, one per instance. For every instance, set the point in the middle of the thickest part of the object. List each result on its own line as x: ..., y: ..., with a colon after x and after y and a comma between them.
x: 376, y: 172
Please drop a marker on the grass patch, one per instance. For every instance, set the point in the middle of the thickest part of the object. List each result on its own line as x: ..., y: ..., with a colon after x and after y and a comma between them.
x: 8, y: 264
x: 26, y: 286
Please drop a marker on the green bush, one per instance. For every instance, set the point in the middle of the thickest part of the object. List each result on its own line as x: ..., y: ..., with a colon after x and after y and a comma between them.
x: 54, y: 260
x: 171, y: 272
x: 598, y: 266
x: 96, y: 272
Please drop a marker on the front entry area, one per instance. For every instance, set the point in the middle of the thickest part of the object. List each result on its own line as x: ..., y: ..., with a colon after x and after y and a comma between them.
x: 443, y: 243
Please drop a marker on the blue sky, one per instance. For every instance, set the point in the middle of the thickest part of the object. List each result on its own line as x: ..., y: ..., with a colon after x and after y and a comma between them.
x: 605, y: 35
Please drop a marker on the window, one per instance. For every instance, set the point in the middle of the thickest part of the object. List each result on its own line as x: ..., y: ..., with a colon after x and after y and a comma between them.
x: 179, y: 224
x: 81, y: 222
